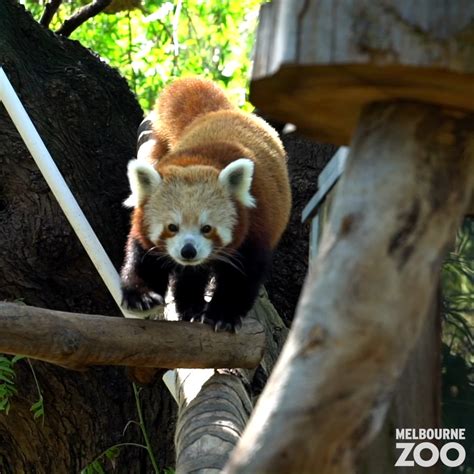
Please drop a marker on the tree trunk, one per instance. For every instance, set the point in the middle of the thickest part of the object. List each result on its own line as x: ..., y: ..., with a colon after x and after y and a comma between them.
x: 88, y: 118
x: 416, y: 402
x: 405, y: 189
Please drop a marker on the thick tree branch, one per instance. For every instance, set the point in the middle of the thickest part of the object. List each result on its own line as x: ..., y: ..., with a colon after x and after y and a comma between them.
x: 49, y: 11
x: 81, y: 340
x: 82, y: 15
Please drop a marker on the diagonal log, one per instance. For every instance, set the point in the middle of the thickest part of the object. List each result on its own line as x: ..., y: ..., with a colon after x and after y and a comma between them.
x: 80, y: 340
x: 406, y: 187
x: 214, y: 407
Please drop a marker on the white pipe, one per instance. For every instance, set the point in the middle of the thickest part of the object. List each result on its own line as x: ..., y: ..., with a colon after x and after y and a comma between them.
x: 60, y: 189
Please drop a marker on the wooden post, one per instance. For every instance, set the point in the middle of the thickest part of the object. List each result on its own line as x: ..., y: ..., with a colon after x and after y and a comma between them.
x: 398, y: 78
x: 366, y: 296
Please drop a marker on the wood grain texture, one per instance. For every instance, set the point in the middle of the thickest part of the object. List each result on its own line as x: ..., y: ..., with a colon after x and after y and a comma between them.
x: 406, y: 186
x: 416, y: 401
x: 82, y: 340
x: 211, y: 419
x: 318, y: 63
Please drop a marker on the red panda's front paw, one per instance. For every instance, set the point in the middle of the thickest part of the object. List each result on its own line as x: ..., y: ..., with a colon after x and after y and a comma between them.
x: 141, y: 299
x: 219, y: 324
x: 233, y: 325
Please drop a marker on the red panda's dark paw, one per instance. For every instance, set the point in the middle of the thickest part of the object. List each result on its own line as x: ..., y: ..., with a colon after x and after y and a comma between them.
x: 229, y: 324
x: 140, y: 299
x: 234, y: 325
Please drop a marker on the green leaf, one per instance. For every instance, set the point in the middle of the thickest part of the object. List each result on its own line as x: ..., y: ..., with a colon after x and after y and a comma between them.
x: 38, y: 408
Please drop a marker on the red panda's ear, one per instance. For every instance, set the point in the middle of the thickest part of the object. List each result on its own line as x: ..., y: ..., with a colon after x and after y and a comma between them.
x: 144, y: 180
x: 237, y: 177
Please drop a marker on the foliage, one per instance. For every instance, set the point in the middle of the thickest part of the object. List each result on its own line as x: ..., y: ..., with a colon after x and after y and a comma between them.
x: 7, y: 381
x: 458, y: 294
x: 162, y: 40
x: 38, y: 407
x: 141, y: 422
x: 458, y: 340
x: 8, y: 387
x: 95, y: 467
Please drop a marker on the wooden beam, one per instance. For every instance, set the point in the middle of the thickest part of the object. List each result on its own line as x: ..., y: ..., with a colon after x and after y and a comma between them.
x: 80, y: 340
x: 317, y: 64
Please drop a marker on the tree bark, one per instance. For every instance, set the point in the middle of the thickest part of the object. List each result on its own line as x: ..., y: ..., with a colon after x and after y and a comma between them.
x: 306, y: 159
x: 416, y: 401
x: 78, y: 341
x: 407, y: 184
x: 211, y: 419
x: 88, y: 119
x: 50, y: 10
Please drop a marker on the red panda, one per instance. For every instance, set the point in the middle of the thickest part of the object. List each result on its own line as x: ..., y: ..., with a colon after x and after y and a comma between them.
x: 211, y: 197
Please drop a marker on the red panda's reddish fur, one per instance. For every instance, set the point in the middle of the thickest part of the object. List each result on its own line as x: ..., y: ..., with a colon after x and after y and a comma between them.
x: 197, y: 125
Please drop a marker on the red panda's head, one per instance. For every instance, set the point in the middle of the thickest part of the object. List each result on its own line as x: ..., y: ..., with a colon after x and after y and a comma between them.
x: 191, y: 212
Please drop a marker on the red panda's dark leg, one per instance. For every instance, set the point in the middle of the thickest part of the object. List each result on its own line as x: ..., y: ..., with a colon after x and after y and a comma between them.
x: 190, y: 285
x: 144, y: 278
x: 237, y: 286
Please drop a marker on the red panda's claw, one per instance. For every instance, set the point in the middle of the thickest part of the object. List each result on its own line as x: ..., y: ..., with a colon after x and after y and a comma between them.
x: 196, y: 319
x: 221, y: 326
x: 140, y: 300
x: 237, y: 325
x: 228, y: 326
x: 201, y: 318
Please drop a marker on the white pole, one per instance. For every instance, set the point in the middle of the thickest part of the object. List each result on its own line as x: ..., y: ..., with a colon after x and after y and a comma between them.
x: 61, y: 190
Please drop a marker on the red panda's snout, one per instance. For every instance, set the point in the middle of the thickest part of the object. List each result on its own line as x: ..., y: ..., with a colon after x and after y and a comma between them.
x: 189, y: 247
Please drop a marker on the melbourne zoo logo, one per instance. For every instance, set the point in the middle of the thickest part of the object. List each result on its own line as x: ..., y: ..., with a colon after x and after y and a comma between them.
x: 425, y: 447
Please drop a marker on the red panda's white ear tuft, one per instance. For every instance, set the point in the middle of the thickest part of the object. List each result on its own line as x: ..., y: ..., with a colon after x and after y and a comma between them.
x: 237, y: 177
x: 144, y: 180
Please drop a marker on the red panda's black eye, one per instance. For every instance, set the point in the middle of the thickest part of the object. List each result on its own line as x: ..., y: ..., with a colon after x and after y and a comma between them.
x: 173, y: 228
x: 205, y: 229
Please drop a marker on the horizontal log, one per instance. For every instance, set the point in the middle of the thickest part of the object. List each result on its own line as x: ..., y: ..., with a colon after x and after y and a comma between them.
x: 78, y: 341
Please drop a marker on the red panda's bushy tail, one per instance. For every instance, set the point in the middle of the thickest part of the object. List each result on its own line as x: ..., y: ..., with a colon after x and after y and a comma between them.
x: 183, y: 101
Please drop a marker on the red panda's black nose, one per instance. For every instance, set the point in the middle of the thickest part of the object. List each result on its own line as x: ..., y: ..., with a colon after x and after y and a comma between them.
x: 188, y: 252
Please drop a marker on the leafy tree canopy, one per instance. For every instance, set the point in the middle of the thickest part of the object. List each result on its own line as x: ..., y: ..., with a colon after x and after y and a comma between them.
x: 154, y: 41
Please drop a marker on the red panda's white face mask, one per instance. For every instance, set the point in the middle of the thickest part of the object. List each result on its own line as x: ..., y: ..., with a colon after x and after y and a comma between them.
x: 191, y: 211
